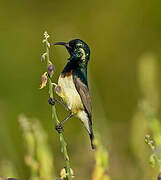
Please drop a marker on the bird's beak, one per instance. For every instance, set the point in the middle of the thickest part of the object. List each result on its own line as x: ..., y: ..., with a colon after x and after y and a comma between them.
x: 62, y: 44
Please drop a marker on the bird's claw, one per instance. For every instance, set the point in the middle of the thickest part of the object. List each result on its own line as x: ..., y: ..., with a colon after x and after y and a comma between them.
x: 51, y: 101
x: 59, y: 128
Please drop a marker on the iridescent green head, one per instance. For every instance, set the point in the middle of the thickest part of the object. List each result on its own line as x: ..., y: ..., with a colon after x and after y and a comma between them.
x: 78, y: 50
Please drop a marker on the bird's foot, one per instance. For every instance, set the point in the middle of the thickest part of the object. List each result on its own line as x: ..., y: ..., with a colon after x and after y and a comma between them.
x: 59, y: 128
x: 51, y: 101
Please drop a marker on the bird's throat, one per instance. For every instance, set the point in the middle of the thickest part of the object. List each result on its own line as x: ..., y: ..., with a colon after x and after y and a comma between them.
x: 76, y: 69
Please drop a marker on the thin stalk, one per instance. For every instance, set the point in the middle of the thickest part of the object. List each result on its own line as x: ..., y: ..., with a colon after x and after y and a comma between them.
x: 54, y: 115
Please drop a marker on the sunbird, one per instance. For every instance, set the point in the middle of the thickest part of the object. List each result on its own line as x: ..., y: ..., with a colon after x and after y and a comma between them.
x: 73, y: 84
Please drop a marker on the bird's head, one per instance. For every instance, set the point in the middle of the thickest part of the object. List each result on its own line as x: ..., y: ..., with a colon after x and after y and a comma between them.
x: 78, y: 50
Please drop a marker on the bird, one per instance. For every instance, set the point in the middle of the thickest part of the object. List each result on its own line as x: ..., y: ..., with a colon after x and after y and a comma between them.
x: 72, y: 84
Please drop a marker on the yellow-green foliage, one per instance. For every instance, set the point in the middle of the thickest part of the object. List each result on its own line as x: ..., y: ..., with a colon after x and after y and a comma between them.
x: 149, y: 105
x: 146, y: 120
x: 7, y: 170
x: 101, y: 161
x: 38, y: 154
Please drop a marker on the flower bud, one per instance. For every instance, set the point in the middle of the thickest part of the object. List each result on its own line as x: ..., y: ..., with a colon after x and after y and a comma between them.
x: 44, y: 80
x: 63, y: 173
x: 51, y: 70
x: 44, y: 40
x: 43, y: 57
x: 58, y: 89
x: 46, y: 35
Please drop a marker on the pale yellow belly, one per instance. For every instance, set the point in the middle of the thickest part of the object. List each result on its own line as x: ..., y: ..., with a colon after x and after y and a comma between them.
x: 69, y: 94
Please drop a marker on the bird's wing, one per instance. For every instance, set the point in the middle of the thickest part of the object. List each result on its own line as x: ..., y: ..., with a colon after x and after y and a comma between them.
x: 86, y: 100
x: 84, y: 94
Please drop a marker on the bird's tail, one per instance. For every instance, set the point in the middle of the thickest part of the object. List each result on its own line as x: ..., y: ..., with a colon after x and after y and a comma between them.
x: 87, y: 121
x: 91, y: 135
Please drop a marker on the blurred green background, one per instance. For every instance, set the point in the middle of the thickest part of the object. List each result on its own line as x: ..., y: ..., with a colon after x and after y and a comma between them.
x: 120, y: 34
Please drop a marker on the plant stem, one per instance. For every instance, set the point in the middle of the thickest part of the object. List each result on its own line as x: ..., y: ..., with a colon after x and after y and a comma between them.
x: 55, y: 118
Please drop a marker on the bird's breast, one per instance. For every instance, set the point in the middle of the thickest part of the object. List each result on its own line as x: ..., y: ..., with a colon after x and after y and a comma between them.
x: 69, y: 94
